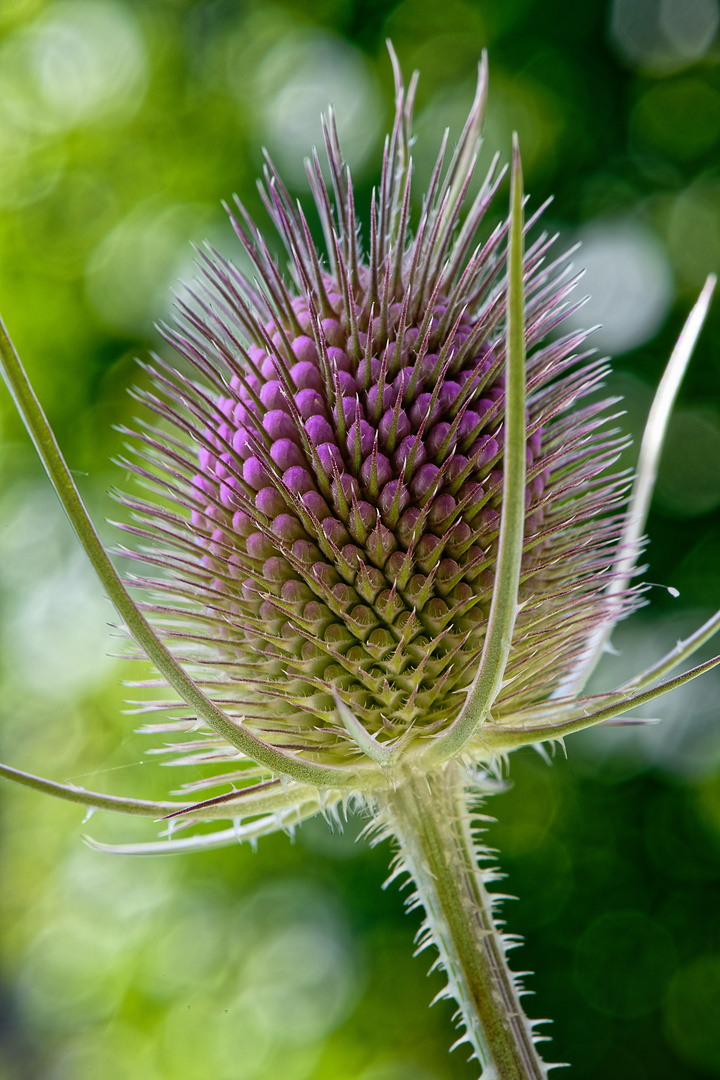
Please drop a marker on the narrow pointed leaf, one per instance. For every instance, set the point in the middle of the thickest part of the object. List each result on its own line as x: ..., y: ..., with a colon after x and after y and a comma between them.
x: 648, y: 463
x: 364, y: 740
x: 682, y: 652
x: 239, y: 834
x: 503, y: 610
x: 93, y: 799
x: 243, y: 803
x: 499, y: 738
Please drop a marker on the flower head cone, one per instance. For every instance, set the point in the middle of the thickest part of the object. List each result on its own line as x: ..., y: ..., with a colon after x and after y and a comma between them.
x: 338, y: 469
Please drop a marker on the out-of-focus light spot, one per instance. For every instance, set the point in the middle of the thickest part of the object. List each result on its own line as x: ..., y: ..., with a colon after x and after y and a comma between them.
x: 69, y: 972
x: 79, y: 62
x: 291, y: 978
x: 693, y: 232
x: 690, y: 25
x: 629, y: 281
x: 111, y: 1052
x: 115, y: 897
x: 514, y: 105
x: 89, y: 60
x: 192, y: 950
x: 297, y: 964
x: 692, y: 1008
x: 397, y: 1069
x: 443, y: 41
x: 663, y: 35
x: 689, y: 476
x: 68, y: 223
x: 679, y: 118
x: 296, y: 81
x: 29, y: 167
x: 15, y: 11
x: 131, y: 272
x: 205, y: 1037
x: 298, y: 974
x: 55, y: 610
x: 687, y: 741
x: 57, y: 646
x: 631, y: 943
x: 533, y: 111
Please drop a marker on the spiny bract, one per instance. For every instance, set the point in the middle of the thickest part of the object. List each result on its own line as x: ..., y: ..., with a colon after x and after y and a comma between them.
x: 339, y: 472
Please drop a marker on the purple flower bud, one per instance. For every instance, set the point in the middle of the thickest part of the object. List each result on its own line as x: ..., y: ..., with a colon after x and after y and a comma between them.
x: 329, y: 454
x: 278, y: 425
x: 397, y: 425
x: 299, y: 480
x: 319, y: 430
x: 270, y: 502
x: 255, y: 474
x: 287, y: 528
x: 361, y: 434
x: 272, y: 395
x: 339, y: 357
x: 306, y: 352
x: 309, y: 403
x: 375, y: 469
x: 306, y: 375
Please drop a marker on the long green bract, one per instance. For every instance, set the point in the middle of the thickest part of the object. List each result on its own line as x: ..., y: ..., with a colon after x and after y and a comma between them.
x: 94, y: 800
x: 653, y: 439
x: 501, y: 737
x: 285, y: 819
x: 504, y: 605
x: 682, y: 651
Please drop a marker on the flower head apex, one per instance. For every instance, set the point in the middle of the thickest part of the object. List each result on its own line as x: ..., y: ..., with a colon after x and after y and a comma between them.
x: 389, y: 531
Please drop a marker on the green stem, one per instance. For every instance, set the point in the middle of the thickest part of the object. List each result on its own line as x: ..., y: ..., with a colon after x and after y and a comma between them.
x: 429, y: 819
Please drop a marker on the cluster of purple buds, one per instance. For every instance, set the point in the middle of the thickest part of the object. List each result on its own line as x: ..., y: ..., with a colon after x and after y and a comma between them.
x: 343, y: 464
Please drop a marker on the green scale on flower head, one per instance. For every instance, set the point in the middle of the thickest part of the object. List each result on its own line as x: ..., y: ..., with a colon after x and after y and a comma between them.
x: 389, y: 535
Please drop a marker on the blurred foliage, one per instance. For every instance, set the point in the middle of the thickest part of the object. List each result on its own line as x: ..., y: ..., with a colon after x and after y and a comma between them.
x: 122, y: 127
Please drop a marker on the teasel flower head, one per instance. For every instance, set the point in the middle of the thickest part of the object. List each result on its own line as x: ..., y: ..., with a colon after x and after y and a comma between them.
x: 388, y: 538
x: 388, y: 531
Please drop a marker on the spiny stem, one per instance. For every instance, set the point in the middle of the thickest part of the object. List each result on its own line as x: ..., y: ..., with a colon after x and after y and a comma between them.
x: 429, y: 819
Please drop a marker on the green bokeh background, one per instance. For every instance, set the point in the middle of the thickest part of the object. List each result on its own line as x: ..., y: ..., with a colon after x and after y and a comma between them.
x: 122, y: 127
